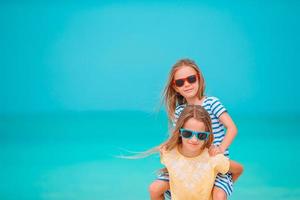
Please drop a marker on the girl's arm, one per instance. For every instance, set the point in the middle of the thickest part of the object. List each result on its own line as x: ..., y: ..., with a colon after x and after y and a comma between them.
x: 231, y: 132
x: 236, y: 169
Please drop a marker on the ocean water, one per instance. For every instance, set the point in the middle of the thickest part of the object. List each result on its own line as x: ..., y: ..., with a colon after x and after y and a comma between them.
x: 74, y: 156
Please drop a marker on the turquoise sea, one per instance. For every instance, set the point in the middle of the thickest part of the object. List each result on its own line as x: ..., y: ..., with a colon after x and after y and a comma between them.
x: 112, y: 58
x: 74, y: 156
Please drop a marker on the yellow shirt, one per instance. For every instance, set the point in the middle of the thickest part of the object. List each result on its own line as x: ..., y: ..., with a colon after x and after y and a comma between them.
x: 193, y: 178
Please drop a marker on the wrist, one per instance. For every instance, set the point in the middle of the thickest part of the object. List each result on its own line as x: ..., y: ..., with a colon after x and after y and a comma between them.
x: 222, y: 149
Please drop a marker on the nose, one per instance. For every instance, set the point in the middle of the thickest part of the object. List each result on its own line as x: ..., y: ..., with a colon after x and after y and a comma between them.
x: 186, y: 83
x: 194, y: 139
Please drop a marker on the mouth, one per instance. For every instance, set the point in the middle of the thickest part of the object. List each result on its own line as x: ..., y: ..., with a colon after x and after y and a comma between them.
x: 189, y: 90
x: 194, y: 144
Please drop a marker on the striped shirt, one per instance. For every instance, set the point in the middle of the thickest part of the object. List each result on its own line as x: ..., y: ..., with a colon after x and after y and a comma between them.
x: 215, y: 108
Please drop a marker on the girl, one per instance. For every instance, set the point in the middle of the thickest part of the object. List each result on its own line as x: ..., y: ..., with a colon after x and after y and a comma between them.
x: 192, y: 171
x: 186, y: 87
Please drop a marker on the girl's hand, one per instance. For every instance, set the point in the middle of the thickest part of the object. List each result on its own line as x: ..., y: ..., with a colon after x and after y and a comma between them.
x: 161, y: 148
x: 214, y: 150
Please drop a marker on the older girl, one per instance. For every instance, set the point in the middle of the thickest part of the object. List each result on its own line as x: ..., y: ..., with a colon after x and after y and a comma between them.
x: 186, y: 86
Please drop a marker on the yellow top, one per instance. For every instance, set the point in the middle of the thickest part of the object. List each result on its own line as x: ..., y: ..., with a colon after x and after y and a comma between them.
x: 193, y: 178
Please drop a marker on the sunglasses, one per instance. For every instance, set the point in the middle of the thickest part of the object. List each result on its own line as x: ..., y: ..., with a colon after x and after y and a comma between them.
x: 189, y: 79
x: 185, y: 133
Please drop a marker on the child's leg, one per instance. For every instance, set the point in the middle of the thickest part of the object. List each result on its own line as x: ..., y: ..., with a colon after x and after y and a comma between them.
x: 219, y: 194
x: 236, y: 169
x: 223, y: 187
x: 157, y: 189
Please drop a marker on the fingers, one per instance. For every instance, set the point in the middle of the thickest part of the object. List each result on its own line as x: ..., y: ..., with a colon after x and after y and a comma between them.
x: 213, y: 151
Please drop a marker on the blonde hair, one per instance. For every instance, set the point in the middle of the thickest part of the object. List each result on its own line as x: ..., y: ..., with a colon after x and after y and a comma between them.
x: 190, y: 111
x: 170, y: 97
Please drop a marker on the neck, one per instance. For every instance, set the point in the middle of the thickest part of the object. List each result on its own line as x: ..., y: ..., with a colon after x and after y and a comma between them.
x: 194, y: 100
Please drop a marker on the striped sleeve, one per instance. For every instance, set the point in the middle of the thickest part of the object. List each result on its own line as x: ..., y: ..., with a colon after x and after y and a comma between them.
x: 217, y: 107
x: 177, y: 113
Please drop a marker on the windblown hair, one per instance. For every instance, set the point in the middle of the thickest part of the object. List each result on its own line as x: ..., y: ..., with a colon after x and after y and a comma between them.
x: 190, y: 111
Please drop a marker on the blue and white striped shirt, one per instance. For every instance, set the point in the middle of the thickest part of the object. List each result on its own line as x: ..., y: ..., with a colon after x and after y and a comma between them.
x: 215, y: 108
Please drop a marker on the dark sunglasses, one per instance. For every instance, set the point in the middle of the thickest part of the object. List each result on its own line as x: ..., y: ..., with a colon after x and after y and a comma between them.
x: 189, y: 79
x: 185, y: 133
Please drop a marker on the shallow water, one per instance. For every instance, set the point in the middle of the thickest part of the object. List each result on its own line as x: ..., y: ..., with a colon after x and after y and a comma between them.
x: 73, y: 156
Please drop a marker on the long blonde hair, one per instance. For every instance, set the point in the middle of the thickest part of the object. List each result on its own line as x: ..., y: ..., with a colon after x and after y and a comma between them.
x: 190, y: 111
x: 170, y: 97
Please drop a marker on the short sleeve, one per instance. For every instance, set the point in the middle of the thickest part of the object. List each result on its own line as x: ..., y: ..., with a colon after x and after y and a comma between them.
x: 221, y: 164
x: 217, y: 107
x: 177, y: 113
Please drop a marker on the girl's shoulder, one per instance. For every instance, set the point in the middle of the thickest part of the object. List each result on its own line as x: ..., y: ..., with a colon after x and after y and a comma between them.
x: 168, y: 155
x: 220, y: 163
x: 181, y: 106
x: 179, y: 109
x: 163, y: 149
x: 214, y: 105
x: 210, y: 99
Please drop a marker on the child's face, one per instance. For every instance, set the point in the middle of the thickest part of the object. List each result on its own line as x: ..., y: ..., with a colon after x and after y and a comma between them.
x: 188, y: 90
x: 193, y: 145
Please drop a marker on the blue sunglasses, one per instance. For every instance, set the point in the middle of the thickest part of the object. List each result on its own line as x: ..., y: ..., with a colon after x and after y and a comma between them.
x: 185, y: 133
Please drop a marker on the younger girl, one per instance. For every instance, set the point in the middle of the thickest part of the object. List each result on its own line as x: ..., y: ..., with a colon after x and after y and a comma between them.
x: 186, y: 87
x: 192, y: 171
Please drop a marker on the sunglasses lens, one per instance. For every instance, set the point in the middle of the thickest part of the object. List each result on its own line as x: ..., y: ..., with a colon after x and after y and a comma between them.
x: 179, y: 82
x: 186, y: 134
x: 202, y: 136
x: 192, y: 79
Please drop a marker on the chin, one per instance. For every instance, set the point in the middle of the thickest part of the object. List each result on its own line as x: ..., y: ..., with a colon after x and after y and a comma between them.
x: 190, y: 95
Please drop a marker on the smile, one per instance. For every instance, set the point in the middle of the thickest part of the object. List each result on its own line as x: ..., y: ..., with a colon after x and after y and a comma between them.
x: 189, y: 90
x: 194, y: 144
